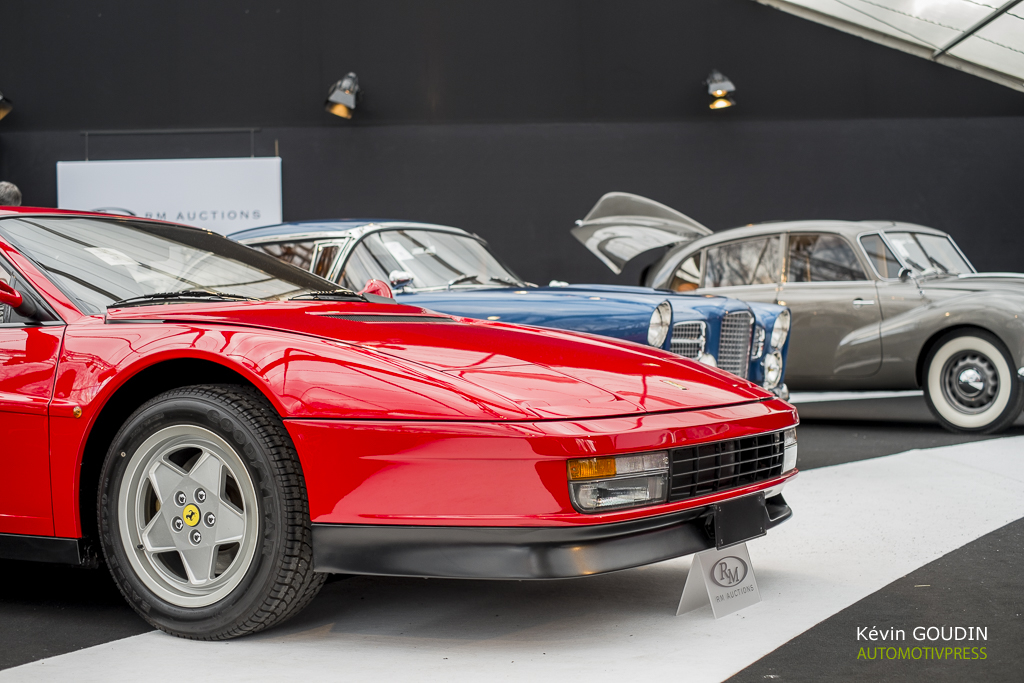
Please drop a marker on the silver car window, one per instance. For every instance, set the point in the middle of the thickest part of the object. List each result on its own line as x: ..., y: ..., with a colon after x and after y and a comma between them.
x: 822, y: 258
x: 928, y: 254
x: 749, y: 262
x: 884, y: 261
x: 687, y: 276
x: 433, y: 258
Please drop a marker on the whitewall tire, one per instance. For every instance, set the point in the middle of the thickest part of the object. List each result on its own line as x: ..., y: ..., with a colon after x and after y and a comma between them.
x: 970, y: 384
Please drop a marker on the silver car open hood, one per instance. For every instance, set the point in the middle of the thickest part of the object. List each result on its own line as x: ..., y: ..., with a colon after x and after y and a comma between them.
x: 621, y: 226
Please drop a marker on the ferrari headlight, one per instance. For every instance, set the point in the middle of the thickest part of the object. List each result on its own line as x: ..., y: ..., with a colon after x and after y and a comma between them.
x: 789, y: 458
x: 613, y: 483
x: 772, y: 370
x: 780, y: 330
x: 661, y: 321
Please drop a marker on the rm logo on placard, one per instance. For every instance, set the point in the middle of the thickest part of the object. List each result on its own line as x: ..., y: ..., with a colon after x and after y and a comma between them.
x: 728, y: 571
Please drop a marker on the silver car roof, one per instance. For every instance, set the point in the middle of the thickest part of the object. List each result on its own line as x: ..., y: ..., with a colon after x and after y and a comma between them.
x: 850, y: 229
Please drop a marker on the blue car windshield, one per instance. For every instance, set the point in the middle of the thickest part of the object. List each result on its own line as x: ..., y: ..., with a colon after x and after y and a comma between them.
x: 425, y: 260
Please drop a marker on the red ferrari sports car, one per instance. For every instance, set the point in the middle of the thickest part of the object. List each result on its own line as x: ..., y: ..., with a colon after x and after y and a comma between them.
x: 223, y: 429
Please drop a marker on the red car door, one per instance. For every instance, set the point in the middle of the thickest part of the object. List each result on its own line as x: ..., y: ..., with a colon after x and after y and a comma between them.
x: 28, y: 363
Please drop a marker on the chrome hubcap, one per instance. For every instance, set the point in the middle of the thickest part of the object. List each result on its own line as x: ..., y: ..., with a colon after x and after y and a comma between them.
x: 188, y: 515
x: 970, y: 382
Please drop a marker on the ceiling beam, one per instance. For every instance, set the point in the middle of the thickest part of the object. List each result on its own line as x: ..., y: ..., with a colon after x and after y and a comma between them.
x: 974, y: 29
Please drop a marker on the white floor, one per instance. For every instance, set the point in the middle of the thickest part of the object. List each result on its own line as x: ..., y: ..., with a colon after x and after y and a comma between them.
x: 857, y: 527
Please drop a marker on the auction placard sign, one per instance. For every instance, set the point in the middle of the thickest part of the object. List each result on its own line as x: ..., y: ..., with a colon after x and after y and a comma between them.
x: 222, y: 195
x: 725, y: 578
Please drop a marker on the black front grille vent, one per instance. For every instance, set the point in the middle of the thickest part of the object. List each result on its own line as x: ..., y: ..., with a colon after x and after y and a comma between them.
x: 722, y: 465
x: 389, y: 318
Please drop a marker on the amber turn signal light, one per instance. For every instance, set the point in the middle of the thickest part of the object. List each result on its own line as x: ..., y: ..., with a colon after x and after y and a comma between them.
x: 591, y: 468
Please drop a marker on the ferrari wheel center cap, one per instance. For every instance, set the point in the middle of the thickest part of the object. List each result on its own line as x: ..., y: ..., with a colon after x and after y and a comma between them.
x: 971, y: 382
x: 191, y: 515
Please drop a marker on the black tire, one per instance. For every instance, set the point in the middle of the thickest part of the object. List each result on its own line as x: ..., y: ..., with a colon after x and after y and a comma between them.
x: 971, y: 384
x: 274, y: 579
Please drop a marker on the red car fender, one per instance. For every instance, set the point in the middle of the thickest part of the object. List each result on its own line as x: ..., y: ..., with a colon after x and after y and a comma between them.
x: 301, y: 376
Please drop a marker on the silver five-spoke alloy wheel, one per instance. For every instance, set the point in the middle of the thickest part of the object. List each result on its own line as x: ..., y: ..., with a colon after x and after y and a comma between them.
x: 188, y: 514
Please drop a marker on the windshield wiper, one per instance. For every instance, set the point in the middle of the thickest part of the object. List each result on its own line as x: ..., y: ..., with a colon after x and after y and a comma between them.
x: 331, y: 295
x: 506, y: 281
x: 938, y: 266
x: 193, y: 294
x: 461, y: 279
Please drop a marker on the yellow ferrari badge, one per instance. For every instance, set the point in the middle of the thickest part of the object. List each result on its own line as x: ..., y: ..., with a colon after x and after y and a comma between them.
x: 191, y: 515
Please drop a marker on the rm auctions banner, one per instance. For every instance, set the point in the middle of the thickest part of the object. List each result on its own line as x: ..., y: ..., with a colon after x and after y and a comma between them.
x: 222, y: 195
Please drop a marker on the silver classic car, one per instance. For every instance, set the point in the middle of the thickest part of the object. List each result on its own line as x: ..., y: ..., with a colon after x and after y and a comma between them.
x: 875, y: 304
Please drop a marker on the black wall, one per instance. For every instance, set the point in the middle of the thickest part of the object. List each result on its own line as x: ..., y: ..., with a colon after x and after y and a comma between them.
x: 511, y: 118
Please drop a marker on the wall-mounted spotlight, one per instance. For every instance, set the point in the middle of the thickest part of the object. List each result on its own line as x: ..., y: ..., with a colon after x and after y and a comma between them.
x: 5, y: 106
x: 719, y: 88
x: 341, y: 100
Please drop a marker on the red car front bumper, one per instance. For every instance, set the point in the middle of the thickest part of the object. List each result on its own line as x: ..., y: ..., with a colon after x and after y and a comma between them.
x: 518, y: 552
x: 491, y: 500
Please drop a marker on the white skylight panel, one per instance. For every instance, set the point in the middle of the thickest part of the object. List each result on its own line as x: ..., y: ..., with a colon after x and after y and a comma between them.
x: 996, y: 48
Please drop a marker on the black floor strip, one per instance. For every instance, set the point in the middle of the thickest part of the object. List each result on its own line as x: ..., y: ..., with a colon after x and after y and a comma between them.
x: 976, y: 585
x: 48, y: 610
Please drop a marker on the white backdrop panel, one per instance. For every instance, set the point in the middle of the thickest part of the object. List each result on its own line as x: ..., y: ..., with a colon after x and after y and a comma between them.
x: 223, y: 195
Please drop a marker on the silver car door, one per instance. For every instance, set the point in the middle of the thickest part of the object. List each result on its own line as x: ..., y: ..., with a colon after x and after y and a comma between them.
x: 896, y: 297
x: 747, y: 269
x: 835, y: 329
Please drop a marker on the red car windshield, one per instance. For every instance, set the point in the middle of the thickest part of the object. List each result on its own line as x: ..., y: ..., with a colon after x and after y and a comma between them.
x: 97, y: 262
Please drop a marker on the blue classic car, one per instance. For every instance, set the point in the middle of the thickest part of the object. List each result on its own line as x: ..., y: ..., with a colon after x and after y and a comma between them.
x: 452, y: 271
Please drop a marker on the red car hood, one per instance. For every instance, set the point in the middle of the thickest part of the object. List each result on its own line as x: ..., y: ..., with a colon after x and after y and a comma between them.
x: 546, y: 374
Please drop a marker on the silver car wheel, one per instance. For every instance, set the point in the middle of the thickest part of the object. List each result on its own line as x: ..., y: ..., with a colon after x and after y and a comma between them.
x: 969, y: 382
x: 188, y: 515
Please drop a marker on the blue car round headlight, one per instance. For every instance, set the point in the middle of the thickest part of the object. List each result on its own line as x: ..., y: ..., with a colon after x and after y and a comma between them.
x: 661, y: 321
x: 772, y: 370
x: 780, y: 330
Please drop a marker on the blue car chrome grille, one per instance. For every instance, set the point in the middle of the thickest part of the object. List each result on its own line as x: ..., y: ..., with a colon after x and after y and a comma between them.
x: 734, y: 343
x: 722, y: 465
x: 688, y: 339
